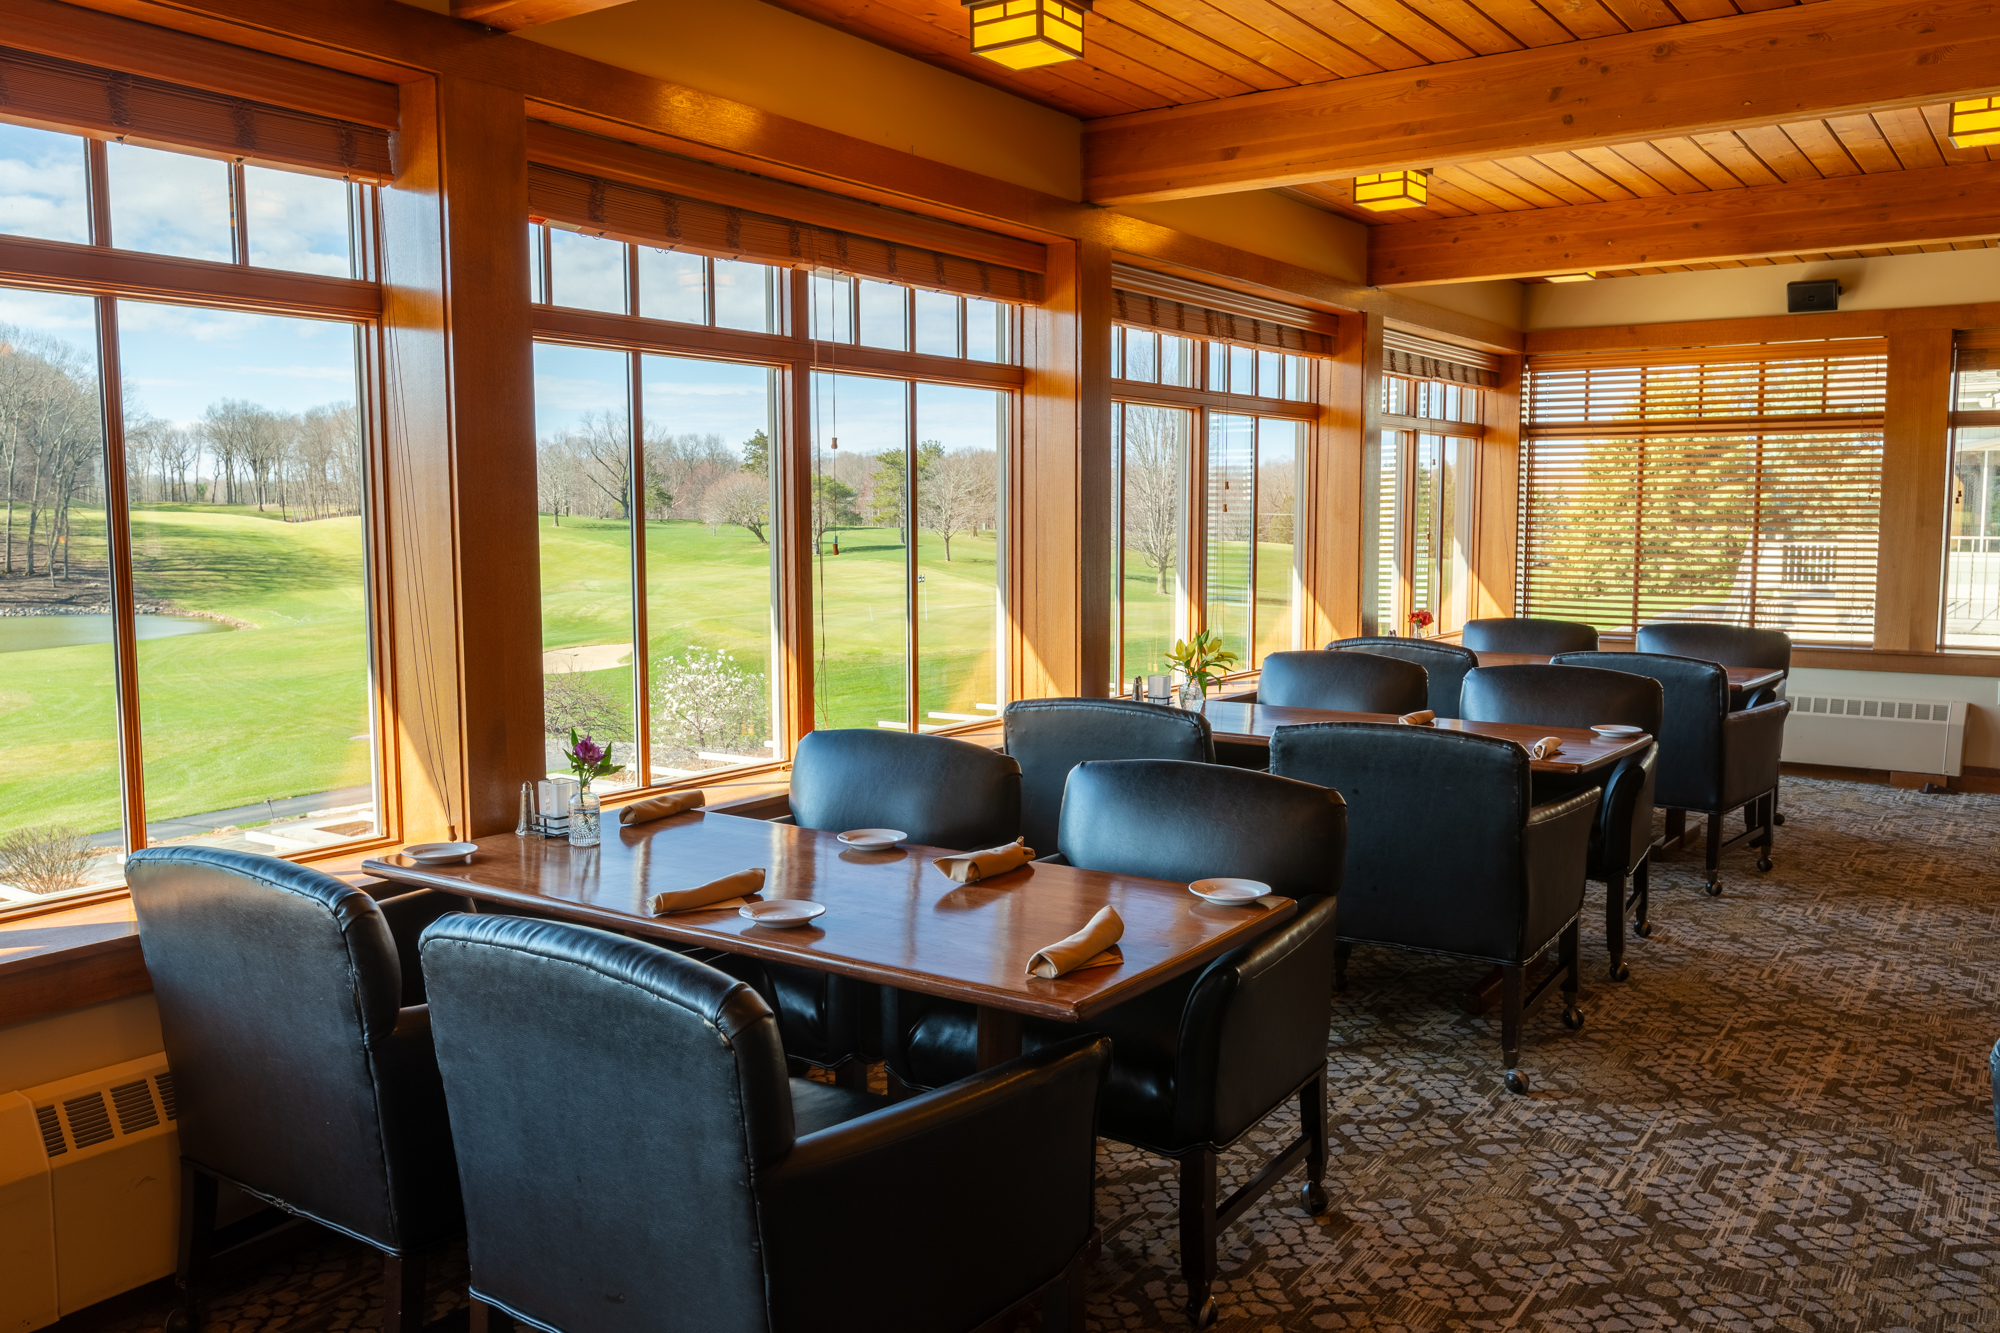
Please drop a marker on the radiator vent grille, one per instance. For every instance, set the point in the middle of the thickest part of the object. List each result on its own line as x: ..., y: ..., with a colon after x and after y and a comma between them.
x: 1901, y: 710
x: 134, y: 1104
x: 52, y: 1135
x: 165, y: 1083
x: 89, y: 1121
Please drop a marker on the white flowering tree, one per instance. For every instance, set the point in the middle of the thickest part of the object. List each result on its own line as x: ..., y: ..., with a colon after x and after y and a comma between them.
x: 705, y: 700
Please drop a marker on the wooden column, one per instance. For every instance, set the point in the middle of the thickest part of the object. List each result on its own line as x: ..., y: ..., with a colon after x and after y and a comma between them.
x: 1340, y: 509
x: 1916, y: 458
x: 1059, y: 487
x: 1496, y: 523
x: 464, y: 594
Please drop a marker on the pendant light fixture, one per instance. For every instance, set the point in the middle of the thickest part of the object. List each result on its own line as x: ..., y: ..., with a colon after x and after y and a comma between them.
x: 1392, y: 189
x: 1975, y: 123
x: 1026, y: 34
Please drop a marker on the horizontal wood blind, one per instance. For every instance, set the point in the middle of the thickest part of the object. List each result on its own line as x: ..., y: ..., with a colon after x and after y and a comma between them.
x: 1150, y: 300
x: 1735, y: 484
x: 634, y: 213
x: 1426, y: 358
x: 109, y: 104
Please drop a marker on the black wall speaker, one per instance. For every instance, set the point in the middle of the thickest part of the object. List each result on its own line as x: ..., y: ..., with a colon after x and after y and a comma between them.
x: 1801, y: 297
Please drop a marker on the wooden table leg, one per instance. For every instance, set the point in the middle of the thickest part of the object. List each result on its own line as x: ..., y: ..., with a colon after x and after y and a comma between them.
x: 999, y: 1036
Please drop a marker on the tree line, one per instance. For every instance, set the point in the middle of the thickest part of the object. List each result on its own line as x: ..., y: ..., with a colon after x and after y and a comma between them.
x: 586, y: 471
x: 305, y: 465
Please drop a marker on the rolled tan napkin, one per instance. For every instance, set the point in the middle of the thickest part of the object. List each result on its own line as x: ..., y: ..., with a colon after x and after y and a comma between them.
x: 968, y: 867
x: 1548, y: 747
x: 645, y: 812
x: 728, y: 891
x: 1423, y: 717
x: 1096, y: 945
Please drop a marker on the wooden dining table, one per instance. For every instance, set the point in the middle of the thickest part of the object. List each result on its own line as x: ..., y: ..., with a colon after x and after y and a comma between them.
x: 891, y: 916
x: 1747, y: 680
x: 1582, y: 751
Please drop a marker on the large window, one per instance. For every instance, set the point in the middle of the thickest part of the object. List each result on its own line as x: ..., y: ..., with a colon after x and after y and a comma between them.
x: 1205, y: 472
x: 1423, y: 484
x: 649, y: 425
x: 225, y: 454
x: 1738, y: 484
x: 1972, y: 532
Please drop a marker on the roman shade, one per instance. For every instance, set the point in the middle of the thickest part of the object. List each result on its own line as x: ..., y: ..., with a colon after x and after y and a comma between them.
x: 62, y: 94
x: 1148, y: 300
x: 1429, y: 359
x: 681, y: 221
x: 1736, y: 484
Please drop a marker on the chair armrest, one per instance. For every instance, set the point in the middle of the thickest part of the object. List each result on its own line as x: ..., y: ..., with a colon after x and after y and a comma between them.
x: 1625, y: 819
x: 926, y: 1192
x: 1555, y: 847
x: 1253, y: 1028
x: 1052, y: 859
x: 1752, y: 741
x: 407, y: 914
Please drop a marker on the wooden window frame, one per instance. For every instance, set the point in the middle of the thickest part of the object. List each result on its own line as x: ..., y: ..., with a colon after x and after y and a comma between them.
x: 796, y: 356
x: 1399, y: 435
x: 1204, y: 403
x: 107, y: 276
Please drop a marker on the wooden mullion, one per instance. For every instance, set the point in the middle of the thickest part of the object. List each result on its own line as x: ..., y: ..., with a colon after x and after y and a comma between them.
x: 96, y: 268
x: 1171, y: 395
x: 239, y: 201
x: 118, y: 539
x: 911, y: 646
x: 642, y: 738
x: 793, y: 526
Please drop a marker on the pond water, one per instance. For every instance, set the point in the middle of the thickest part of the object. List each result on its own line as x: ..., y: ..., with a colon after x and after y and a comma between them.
x: 20, y: 634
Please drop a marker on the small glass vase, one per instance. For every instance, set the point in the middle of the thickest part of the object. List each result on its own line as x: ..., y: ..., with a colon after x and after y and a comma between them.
x: 1194, y: 695
x: 584, y: 812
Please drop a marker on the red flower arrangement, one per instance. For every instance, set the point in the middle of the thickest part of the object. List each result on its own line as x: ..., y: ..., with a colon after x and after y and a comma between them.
x: 1422, y: 620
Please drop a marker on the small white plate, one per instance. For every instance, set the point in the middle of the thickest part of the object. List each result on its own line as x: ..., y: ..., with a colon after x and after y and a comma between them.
x: 781, y: 912
x: 440, y: 853
x: 1229, y: 892
x: 872, y: 839
x: 1618, y: 729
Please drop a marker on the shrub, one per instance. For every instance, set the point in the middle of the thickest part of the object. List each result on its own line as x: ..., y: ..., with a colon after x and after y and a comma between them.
x: 50, y: 858
x: 571, y: 700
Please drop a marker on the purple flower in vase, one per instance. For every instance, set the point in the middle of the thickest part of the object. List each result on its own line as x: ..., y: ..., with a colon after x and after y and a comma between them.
x: 588, y: 750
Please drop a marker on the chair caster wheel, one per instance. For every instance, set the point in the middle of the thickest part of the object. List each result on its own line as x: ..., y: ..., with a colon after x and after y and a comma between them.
x: 1712, y: 887
x: 1621, y: 972
x: 1204, y: 1316
x: 1517, y: 1082
x: 1777, y: 819
x: 1643, y: 929
x: 1314, y: 1198
x: 1573, y: 1018
x: 1763, y: 863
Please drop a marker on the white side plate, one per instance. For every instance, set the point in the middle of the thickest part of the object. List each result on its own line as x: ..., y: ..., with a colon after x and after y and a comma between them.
x: 780, y: 912
x: 1618, y: 729
x: 440, y: 853
x: 1229, y: 892
x: 872, y: 839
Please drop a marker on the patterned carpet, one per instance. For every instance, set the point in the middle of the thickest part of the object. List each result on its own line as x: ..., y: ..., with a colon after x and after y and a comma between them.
x: 1783, y: 1121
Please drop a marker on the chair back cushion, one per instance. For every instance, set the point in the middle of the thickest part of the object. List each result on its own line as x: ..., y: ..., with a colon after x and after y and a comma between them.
x: 1696, y: 699
x: 1444, y: 663
x: 1182, y: 822
x: 1049, y: 737
x: 1564, y: 695
x: 613, y: 1103
x: 275, y: 984
x: 939, y: 791
x: 1434, y: 831
x: 1731, y: 645
x: 1346, y: 682
x: 1523, y: 635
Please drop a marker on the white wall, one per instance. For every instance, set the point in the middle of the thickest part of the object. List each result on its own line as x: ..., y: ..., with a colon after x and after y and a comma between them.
x: 79, y: 1041
x: 1947, y: 278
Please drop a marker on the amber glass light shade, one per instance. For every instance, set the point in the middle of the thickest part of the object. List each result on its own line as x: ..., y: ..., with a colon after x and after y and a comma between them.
x: 1026, y: 34
x: 1975, y: 123
x: 1392, y: 189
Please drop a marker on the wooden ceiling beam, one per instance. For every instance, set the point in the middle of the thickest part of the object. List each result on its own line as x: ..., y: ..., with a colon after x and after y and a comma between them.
x: 1934, y: 204
x: 513, y: 15
x: 1795, y: 63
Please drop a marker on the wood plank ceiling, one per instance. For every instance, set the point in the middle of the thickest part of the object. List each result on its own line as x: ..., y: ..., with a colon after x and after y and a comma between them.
x: 1160, y: 53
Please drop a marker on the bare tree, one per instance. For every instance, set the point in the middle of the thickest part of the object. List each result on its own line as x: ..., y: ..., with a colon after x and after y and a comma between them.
x: 230, y: 428
x: 741, y: 500
x: 958, y: 494
x: 1155, y: 447
x: 51, y: 435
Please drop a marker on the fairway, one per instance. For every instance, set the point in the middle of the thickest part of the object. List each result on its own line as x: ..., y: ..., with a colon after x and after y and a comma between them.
x: 276, y: 709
